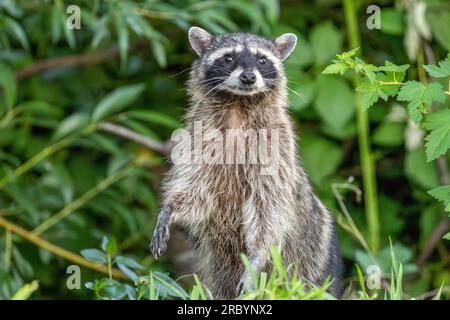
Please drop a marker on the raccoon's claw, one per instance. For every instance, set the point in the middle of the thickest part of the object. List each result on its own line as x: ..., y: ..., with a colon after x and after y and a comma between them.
x: 159, y: 241
x: 245, y: 284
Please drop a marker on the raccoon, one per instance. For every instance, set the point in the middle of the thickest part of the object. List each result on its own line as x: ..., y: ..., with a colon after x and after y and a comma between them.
x: 237, y: 84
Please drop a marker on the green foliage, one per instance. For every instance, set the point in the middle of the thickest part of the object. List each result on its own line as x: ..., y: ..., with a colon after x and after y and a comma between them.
x: 441, y: 70
x: 382, y: 82
x: 438, y: 141
x: 418, y: 95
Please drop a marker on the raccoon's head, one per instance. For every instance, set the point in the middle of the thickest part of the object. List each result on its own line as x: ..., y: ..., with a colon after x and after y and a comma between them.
x: 239, y: 64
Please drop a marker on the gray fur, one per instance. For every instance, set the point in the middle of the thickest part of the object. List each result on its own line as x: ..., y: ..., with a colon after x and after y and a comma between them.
x: 232, y: 209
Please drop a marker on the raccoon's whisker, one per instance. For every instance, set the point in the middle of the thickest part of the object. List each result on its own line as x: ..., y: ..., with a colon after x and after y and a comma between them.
x: 267, y: 73
x: 183, y: 71
x: 301, y: 96
x: 208, y: 92
x: 212, y: 79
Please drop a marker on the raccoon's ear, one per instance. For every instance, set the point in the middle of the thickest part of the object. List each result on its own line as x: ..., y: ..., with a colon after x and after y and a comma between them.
x: 199, y: 39
x: 285, y: 44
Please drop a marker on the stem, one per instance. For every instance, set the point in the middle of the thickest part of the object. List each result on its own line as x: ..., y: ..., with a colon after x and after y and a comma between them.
x: 86, y: 197
x: 68, y: 255
x: 8, y: 249
x: 109, y: 266
x: 44, y: 153
x: 362, y: 122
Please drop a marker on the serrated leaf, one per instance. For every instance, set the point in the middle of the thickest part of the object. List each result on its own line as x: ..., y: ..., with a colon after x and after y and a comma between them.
x: 389, y: 66
x: 365, y: 68
x: 438, y: 140
x: 441, y: 70
x: 117, y: 100
x: 369, y: 94
x: 336, y: 67
x: 441, y: 193
x: 416, y: 94
x: 347, y: 55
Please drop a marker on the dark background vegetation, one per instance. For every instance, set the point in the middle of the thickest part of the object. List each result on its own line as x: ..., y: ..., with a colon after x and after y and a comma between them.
x: 125, y: 66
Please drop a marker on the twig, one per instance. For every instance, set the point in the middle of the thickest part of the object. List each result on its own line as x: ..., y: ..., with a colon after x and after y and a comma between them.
x: 444, y: 177
x: 72, y: 60
x: 147, y: 142
x: 50, y: 247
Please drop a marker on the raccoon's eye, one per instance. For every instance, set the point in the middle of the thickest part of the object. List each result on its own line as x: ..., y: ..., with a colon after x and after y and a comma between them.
x: 228, y: 58
x: 262, y: 60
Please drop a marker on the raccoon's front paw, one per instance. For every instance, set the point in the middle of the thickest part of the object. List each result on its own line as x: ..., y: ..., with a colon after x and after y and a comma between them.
x: 245, y: 284
x: 159, y: 241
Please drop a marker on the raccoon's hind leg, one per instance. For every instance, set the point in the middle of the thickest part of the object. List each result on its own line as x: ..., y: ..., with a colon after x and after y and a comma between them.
x: 162, y: 231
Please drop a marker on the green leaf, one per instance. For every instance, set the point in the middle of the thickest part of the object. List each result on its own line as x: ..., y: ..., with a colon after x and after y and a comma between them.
x: 94, y: 255
x: 390, y: 67
x: 141, y: 27
x: 16, y: 30
x: 56, y: 26
x: 370, y: 93
x: 389, y: 134
x: 441, y: 193
x: 39, y: 107
x: 130, y: 263
x: 117, y: 101
x: 418, y: 170
x: 109, y: 245
x: 438, y: 140
x: 159, y: 53
x: 391, y: 74
x: 155, y: 117
x: 23, y: 200
x: 440, y: 71
x: 128, y: 272
x: 439, y: 20
x: 392, y: 21
x: 367, y: 69
x: 417, y: 94
x: 336, y: 67
x: 71, y: 124
x: 123, y: 38
x: 334, y: 101
x: 321, y: 157
x: 326, y: 41
x: 446, y: 236
x: 9, y: 85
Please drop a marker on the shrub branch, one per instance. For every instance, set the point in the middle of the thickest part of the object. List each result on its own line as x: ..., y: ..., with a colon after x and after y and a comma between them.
x: 63, y: 253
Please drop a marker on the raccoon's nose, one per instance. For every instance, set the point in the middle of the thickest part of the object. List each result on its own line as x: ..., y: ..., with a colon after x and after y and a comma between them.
x: 247, y: 77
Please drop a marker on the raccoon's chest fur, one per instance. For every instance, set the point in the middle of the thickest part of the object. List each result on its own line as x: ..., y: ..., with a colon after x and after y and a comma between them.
x: 228, y: 191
